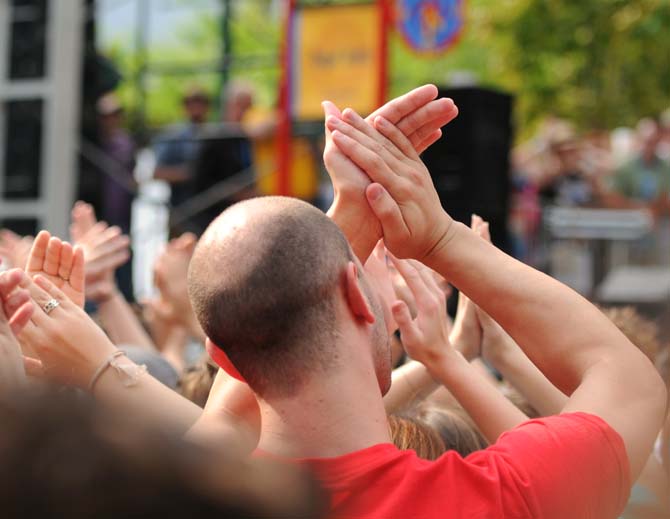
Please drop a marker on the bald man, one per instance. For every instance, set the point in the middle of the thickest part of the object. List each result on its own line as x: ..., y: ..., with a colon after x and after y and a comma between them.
x: 288, y: 308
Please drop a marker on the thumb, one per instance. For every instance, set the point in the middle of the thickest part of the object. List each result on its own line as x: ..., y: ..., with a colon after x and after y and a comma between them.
x: 329, y: 108
x: 387, y: 212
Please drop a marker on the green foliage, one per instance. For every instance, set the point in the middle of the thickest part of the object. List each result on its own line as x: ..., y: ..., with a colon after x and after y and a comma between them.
x: 599, y: 63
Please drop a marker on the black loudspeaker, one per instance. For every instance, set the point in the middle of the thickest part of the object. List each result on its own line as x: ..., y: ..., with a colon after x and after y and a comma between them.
x: 470, y: 163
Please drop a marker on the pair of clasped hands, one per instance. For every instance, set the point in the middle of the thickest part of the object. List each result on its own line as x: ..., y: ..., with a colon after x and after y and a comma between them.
x: 382, y: 190
x: 44, y: 330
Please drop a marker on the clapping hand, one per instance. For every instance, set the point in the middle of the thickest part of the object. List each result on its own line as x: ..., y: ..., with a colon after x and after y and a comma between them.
x: 70, y: 346
x: 401, y: 195
x: 14, y: 248
x: 16, y: 310
x: 467, y: 332
x: 105, y: 250
x: 170, y: 277
x: 426, y: 337
x: 419, y: 116
x: 60, y: 263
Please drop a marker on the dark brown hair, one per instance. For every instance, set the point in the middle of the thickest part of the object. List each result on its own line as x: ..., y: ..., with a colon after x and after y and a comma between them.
x: 263, y: 281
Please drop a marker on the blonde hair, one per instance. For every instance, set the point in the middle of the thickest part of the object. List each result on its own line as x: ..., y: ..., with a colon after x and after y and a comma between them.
x: 410, y: 434
x: 642, y: 332
x: 196, y: 382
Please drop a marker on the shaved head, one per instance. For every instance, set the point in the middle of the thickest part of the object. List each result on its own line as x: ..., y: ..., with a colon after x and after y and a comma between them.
x: 264, y: 284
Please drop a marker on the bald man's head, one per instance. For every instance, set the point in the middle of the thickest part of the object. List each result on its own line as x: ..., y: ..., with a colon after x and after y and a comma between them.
x: 264, y: 282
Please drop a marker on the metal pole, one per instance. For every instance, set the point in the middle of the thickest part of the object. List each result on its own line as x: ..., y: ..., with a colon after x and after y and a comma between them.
x: 143, y: 19
x: 226, y: 52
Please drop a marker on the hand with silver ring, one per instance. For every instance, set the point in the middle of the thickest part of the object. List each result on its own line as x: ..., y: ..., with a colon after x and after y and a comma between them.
x: 60, y: 263
x: 51, y: 304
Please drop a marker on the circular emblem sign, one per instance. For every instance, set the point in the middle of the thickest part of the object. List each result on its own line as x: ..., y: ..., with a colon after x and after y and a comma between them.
x: 430, y: 25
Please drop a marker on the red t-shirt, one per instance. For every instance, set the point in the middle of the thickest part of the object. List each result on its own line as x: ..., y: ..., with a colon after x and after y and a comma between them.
x: 565, y: 467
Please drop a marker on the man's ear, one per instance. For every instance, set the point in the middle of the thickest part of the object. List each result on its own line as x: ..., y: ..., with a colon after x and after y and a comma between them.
x: 221, y: 359
x: 356, y: 299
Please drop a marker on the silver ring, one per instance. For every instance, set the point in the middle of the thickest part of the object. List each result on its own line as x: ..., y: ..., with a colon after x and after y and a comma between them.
x: 51, y: 304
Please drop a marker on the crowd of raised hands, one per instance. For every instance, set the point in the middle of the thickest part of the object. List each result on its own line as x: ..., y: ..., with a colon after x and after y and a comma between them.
x: 457, y: 385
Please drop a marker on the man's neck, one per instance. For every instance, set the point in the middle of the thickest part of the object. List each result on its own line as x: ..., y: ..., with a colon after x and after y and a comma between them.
x: 331, y: 416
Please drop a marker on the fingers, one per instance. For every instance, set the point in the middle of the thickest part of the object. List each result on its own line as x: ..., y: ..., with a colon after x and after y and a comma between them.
x: 21, y: 317
x: 418, y: 125
x: 408, y: 328
x: 416, y: 282
x: 52, y: 257
x: 78, y: 272
x: 387, y: 211
x: 9, y: 280
x: 371, y: 163
x: 329, y: 109
x: 481, y: 227
x: 65, y: 266
x: 398, y: 108
x: 41, y: 292
x: 393, y: 134
x: 52, y: 290
x: 377, y: 142
x: 38, y: 252
x: 428, y: 141
x: 83, y: 219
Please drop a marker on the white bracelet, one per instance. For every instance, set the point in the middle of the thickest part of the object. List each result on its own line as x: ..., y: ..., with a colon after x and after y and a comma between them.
x: 130, y: 373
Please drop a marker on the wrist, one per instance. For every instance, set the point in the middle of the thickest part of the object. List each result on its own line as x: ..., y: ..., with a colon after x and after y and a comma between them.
x: 435, y: 257
x: 349, y: 218
x: 436, y: 363
x: 107, y: 297
x: 461, y: 339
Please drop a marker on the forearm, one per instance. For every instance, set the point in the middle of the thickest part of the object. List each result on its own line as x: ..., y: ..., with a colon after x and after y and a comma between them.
x: 121, y: 323
x: 411, y: 382
x: 579, y: 350
x: 527, y: 379
x: 147, y: 398
x: 561, y: 332
x: 489, y: 409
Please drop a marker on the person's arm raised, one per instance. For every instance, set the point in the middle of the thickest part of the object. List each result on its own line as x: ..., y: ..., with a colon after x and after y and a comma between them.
x: 572, y: 343
x: 12, y: 371
x: 72, y: 349
x: 426, y: 339
x: 420, y: 116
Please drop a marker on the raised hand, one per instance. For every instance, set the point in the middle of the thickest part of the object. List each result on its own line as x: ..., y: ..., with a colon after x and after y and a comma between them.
x: 105, y: 250
x: 16, y: 310
x: 419, y: 116
x: 14, y: 248
x: 70, y: 346
x: 82, y: 220
x: 467, y: 331
x: 402, y: 195
x: 170, y: 277
x: 425, y: 338
x: 379, y: 275
x: 60, y: 263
